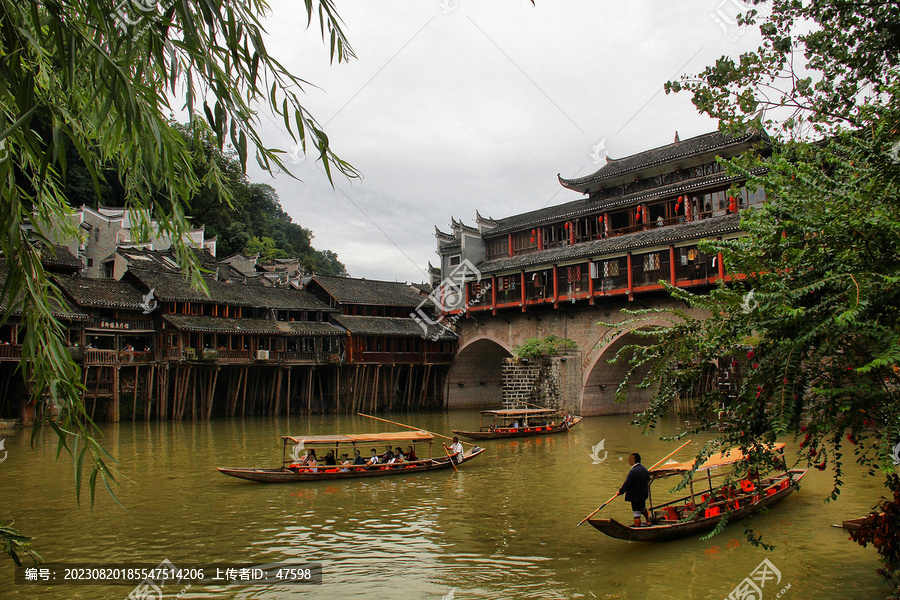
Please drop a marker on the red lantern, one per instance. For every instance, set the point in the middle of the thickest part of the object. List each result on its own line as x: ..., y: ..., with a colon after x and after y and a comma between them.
x: 600, y: 219
x: 567, y: 225
x: 732, y: 204
x: 533, y: 232
x: 532, y: 239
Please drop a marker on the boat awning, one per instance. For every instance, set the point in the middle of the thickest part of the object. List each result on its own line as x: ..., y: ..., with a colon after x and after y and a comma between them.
x: 520, y: 412
x: 718, y: 459
x: 362, y: 438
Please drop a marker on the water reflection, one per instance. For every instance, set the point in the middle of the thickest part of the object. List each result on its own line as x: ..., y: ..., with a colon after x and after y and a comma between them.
x: 503, y: 527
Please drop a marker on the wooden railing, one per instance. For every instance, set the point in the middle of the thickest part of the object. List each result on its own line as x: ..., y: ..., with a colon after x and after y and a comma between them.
x: 297, y: 357
x: 10, y: 352
x: 95, y: 356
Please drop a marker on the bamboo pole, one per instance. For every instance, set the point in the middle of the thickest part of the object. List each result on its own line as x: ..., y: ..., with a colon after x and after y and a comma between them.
x: 412, y: 427
x: 658, y: 463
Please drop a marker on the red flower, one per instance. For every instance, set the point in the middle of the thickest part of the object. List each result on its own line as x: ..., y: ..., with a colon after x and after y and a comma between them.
x: 803, y: 428
x: 812, y: 451
x: 750, y: 355
x: 755, y: 365
x: 821, y: 467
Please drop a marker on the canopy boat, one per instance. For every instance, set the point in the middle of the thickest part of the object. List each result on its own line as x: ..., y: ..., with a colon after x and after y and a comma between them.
x: 293, y: 470
x: 528, y: 421
x: 681, y: 518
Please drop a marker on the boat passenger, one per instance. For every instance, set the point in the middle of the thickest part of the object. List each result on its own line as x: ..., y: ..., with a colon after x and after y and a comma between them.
x: 637, y: 488
x: 329, y: 459
x: 411, y: 454
x: 310, y: 460
x: 345, y: 463
x: 373, y: 460
x: 357, y: 458
x: 456, y: 450
x: 399, y: 453
x: 387, y: 456
x: 515, y: 425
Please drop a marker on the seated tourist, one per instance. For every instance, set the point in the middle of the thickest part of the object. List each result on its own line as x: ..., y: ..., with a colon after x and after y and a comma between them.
x: 411, y: 454
x: 345, y: 463
x: 387, y: 456
x: 329, y: 459
x: 373, y: 460
x: 357, y: 458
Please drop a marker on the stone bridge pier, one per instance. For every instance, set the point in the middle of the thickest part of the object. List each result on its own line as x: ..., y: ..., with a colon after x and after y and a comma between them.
x: 590, y: 380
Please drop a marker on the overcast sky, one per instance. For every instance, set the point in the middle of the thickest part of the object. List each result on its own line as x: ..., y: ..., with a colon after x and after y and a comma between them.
x: 464, y: 104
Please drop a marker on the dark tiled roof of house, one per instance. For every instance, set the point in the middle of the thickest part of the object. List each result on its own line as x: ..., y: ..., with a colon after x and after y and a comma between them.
x: 162, y: 260
x: 398, y: 326
x: 60, y: 257
x: 346, y: 290
x: 310, y: 328
x: 174, y: 288
x: 702, y: 144
x: 621, y: 243
x: 60, y: 308
x: 102, y: 292
x: 207, y: 324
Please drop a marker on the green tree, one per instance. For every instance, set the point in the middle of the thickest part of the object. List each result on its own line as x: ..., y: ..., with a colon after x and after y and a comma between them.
x: 542, y: 347
x: 265, y: 247
x: 815, y: 324
x: 79, y: 74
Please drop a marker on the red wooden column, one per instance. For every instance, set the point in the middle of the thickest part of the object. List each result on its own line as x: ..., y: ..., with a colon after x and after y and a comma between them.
x: 493, y: 294
x: 540, y: 238
x: 510, y: 242
x: 672, y: 275
x: 721, y: 266
x: 555, y: 289
x: 590, y: 283
x: 688, y: 211
x: 606, y: 224
x: 630, y: 279
x: 645, y: 218
x: 523, y: 290
x: 571, y: 233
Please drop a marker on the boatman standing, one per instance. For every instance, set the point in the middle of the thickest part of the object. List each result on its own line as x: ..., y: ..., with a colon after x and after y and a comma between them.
x: 637, y: 488
x: 457, y: 449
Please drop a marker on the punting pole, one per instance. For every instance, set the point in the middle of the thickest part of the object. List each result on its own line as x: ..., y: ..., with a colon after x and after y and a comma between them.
x: 411, y: 427
x: 658, y: 463
x: 450, y: 456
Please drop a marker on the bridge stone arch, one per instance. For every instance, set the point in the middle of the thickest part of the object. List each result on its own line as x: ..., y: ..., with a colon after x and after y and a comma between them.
x: 475, y: 377
x: 601, y: 379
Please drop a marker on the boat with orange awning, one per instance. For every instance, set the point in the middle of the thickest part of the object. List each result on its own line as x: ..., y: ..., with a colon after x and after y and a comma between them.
x: 701, y: 511
x: 520, y: 422
x: 295, y: 469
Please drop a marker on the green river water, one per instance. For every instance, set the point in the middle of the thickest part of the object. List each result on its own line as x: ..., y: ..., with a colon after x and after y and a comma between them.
x: 502, y: 527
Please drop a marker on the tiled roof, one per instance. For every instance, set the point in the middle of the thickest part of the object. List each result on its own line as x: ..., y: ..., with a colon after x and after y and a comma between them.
x: 391, y: 326
x: 162, y: 260
x: 173, y: 288
x: 59, y: 308
x: 346, y: 290
x: 101, y: 292
x: 586, y: 206
x: 701, y: 144
x: 310, y: 328
x: 59, y: 256
x: 222, y: 325
x: 651, y: 237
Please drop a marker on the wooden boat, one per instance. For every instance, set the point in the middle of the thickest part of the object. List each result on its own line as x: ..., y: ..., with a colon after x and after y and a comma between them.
x: 854, y: 524
x: 291, y: 471
x: 531, y: 421
x: 677, y: 519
